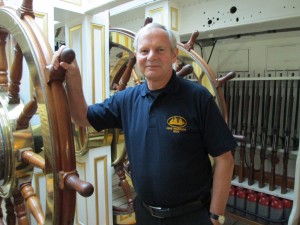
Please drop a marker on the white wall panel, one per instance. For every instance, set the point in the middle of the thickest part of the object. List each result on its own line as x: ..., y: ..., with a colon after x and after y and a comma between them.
x: 95, y: 167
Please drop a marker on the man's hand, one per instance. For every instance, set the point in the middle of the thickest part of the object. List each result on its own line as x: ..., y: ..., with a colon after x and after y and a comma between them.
x: 72, y: 69
x: 55, y: 59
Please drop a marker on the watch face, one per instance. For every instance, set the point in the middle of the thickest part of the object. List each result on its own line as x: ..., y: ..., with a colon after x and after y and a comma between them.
x: 221, y: 219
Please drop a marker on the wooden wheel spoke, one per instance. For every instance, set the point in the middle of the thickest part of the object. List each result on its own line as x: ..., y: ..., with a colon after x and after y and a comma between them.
x: 3, y: 61
x: 185, y: 70
x: 221, y: 81
x: 20, y: 208
x: 126, y: 75
x: 28, y: 111
x: 124, y: 183
x: 118, y: 71
x: 32, y: 202
x: 28, y: 156
x: 190, y: 44
x: 71, y: 181
x: 148, y: 20
x: 26, y: 9
x: 1, y: 213
x: 15, y: 76
x: 10, y: 213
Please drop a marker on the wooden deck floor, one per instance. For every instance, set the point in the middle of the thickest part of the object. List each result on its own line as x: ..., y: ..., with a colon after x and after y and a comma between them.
x: 232, y: 219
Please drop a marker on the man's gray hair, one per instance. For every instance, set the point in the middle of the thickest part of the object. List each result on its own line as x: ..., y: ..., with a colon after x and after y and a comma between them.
x: 172, y: 38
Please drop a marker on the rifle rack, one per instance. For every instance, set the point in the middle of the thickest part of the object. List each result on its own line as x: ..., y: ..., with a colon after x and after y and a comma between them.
x: 264, y: 108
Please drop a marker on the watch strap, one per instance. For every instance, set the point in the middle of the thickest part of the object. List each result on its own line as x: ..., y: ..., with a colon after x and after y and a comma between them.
x: 214, y: 216
x: 219, y: 218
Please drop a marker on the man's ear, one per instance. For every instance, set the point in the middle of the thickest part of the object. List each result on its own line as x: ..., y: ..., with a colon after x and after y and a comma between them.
x: 175, y: 54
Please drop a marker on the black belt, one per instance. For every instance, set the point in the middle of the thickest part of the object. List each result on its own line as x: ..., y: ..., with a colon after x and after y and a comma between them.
x: 162, y: 212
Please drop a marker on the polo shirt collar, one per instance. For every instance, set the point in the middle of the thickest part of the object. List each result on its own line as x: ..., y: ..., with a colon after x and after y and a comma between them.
x: 171, y: 87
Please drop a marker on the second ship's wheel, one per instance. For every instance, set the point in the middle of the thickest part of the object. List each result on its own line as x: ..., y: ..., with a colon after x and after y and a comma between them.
x: 21, y: 149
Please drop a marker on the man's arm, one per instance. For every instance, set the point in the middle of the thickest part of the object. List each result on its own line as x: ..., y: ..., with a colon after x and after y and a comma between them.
x: 77, y: 104
x: 223, y: 169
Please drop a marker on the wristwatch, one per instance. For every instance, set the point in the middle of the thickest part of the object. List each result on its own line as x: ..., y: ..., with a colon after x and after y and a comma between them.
x: 219, y: 218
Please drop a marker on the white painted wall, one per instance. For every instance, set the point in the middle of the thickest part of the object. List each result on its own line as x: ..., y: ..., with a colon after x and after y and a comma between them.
x: 254, y: 16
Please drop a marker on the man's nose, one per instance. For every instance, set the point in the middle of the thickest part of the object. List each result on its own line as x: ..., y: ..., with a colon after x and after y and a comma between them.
x: 152, y: 54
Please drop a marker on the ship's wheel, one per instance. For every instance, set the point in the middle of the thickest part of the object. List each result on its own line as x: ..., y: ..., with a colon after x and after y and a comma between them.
x: 23, y: 48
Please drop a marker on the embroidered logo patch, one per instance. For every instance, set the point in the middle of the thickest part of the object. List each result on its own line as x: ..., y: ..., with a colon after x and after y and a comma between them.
x: 176, y: 124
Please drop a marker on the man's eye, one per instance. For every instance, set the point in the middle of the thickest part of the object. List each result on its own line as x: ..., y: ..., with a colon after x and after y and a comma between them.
x: 143, y: 51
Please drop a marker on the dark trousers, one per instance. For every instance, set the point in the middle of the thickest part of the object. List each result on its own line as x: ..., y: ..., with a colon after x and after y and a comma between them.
x: 143, y: 216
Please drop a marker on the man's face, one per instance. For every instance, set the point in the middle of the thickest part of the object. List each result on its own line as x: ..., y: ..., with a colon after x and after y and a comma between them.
x: 154, y: 55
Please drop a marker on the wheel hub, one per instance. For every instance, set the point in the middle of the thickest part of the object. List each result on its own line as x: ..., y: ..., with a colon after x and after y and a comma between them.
x: 12, y: 141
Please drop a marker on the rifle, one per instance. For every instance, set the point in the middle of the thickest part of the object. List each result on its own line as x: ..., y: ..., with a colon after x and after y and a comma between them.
x: 235, y: 113
x: 296, y: 137
x: 227, y: 98
x: 275, y: 134
x: 273, y: 107
x: 287, y: 130
x: 219, y: 83
x: 264, y: 132
x: 233, y: 105
x: 284, y: 112
x: 245, y: 103
x: 254, y: 124
x: 235, y: 119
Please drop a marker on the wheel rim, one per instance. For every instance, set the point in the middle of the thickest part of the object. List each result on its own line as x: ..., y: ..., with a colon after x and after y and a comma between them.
x: 203, y: 74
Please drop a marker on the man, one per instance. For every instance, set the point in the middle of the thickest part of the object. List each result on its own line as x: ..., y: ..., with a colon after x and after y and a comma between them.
x: 170, y: 126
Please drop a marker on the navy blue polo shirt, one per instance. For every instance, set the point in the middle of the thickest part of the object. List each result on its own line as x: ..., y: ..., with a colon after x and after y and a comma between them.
x: 168, y: 138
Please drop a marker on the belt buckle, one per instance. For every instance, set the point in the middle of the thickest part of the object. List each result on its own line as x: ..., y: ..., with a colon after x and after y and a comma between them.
x: 151, y: 208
